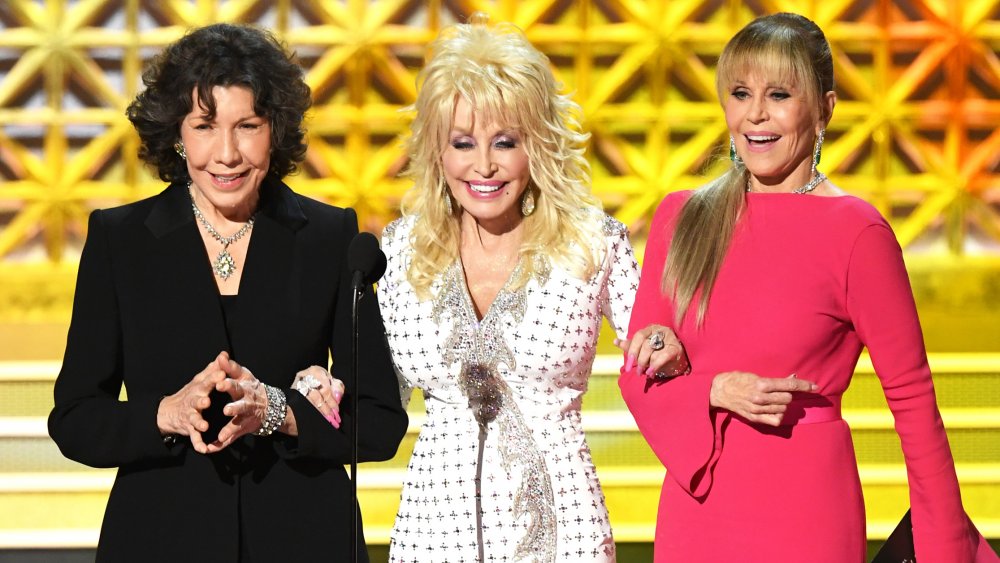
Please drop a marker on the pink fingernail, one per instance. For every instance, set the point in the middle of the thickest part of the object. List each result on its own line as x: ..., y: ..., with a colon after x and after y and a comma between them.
x: 333, y: 420
x: 650, y: 371
x: 629, y: 361
x: 337, y: 395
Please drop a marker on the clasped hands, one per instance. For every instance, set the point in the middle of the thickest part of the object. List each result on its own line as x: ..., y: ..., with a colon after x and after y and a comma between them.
x: 181, y: 413
x: 656, y: 353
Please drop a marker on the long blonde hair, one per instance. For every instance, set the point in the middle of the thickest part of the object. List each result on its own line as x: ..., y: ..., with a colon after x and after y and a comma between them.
x: 792, y: 49
x: 507, y: 81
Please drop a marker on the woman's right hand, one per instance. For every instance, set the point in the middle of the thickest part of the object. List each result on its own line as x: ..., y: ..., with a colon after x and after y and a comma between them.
x: 755, y: 398
x: 180, y: 413
x: 656, y: 352
x: 323, y: 390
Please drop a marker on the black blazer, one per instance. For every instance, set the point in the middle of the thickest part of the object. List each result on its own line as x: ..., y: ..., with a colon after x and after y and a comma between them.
x: 147, y: 314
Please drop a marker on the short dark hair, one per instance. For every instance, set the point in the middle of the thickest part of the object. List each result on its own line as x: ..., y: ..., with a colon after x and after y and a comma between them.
x: 220, y: 55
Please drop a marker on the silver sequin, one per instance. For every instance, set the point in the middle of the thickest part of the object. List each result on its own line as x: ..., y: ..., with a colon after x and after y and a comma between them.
x: 479, y: 347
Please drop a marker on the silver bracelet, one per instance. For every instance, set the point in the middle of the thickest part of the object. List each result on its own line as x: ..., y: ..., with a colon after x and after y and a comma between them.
x: 275, y: 415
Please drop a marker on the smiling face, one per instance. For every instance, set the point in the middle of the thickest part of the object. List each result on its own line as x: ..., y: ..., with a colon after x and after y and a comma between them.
x: 775, y: 126
x: 486, y: 168
x: 228, y: 154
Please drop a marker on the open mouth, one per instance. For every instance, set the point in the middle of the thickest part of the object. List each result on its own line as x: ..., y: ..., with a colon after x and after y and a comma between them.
x: 486, y: 187
x: 225, y: 179
x: 761, y: 140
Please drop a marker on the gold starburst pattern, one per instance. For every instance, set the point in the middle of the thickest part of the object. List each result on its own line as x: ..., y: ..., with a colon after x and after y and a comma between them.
x: 916, y: 131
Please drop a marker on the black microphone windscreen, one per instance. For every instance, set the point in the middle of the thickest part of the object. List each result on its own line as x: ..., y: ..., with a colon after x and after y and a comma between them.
x: 364, y: 255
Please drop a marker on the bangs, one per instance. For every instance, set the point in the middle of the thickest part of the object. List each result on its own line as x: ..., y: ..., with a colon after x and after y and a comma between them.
x: 496, y: 100
x: 776, y: 60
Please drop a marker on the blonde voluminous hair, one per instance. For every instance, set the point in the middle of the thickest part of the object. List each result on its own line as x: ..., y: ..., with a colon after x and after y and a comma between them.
x: 508, y: 82
x: 789, y: 49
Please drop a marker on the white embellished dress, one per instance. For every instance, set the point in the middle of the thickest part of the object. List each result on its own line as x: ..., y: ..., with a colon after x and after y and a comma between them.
x: 503, y: 397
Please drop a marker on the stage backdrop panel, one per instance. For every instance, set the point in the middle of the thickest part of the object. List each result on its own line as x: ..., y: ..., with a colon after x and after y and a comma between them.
x: 915, y: 131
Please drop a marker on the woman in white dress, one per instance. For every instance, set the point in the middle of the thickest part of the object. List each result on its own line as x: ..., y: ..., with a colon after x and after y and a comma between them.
x: 499, y: 274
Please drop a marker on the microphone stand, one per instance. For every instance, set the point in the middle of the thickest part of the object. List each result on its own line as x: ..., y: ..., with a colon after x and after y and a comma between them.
x: 367, y: 264
x: 358, y: 290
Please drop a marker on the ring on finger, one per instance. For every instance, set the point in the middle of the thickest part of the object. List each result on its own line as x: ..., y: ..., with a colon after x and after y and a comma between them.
x: 306, y: 384
x: 656, y: 341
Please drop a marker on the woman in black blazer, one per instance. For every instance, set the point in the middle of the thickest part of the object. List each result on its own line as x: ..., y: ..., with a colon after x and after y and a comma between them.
x: 226, y: 265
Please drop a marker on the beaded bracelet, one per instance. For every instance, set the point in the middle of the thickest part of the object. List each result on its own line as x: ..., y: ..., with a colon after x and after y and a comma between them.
x: 275, y: 415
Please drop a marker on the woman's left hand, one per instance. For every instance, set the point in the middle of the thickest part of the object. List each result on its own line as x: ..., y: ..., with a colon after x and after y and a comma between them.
x: 323, y: 390
x: 656, y: 352
x: 758, y: 399
x: 249, y: 406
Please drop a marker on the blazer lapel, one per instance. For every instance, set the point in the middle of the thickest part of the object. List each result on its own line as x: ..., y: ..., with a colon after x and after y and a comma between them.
x: 270, y: 289
x: 180, y: 255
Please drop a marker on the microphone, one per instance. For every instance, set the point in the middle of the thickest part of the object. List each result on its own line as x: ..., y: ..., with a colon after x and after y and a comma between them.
x: 365, y: 260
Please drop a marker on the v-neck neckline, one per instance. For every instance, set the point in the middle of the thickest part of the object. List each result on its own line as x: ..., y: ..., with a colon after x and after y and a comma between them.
x: 467, y: 293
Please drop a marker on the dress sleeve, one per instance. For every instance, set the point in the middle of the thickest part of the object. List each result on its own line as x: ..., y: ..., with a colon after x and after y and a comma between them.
x: 383, y: 421
x: 618, y: 293
x: 673, y: 415
x: 89, y: 423
x: 389, y: 288
x: 880, y: 304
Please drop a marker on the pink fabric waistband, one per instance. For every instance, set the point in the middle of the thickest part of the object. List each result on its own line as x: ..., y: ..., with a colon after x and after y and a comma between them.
x: 812, y: 410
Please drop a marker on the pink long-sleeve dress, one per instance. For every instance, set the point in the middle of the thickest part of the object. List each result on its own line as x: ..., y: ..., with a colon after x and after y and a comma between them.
x: 806, y: 283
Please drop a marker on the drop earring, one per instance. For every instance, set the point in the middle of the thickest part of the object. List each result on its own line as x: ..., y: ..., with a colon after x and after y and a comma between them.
x: 818, y: 150
x: 449, y: 204
x: 733, y: 156
x: 179, y: 149
x: 528, y: 203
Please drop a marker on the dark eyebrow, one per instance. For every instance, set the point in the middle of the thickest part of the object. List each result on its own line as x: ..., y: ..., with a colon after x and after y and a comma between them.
x: 205, y: 116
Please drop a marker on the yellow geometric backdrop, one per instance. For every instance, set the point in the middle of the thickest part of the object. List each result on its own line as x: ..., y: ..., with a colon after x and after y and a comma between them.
x: 915, y: 132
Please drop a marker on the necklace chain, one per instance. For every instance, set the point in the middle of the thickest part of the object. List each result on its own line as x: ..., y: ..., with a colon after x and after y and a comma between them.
x: 817, y: 180
x: 224, y: 265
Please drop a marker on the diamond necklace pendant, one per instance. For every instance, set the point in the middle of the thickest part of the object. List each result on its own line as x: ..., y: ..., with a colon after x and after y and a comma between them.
x: 224, y: 265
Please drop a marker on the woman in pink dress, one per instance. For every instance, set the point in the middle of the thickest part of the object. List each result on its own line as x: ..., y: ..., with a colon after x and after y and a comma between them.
x: 774, y: 280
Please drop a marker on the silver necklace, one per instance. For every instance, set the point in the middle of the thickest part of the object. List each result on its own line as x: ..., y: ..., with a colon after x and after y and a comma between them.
x: 817, y: 180
x: 224, y: 265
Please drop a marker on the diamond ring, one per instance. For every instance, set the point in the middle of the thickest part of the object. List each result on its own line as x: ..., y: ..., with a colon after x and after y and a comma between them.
x: 656, y: 341
x: 306, y: 384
